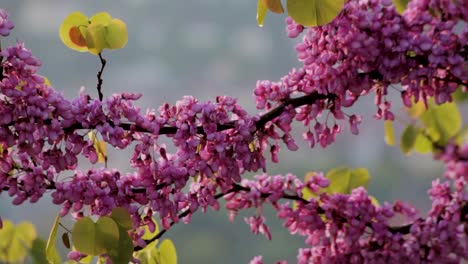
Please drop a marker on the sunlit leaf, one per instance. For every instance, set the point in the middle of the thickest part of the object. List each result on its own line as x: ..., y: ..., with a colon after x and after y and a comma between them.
x: 339, y: 180
x: 359, y: 177
x: 416, y: 109
x: 408, y: 138
x: 262, y: 11
x: 314, y: 12
x: 445, y: 119
x: 400, y: 5
x: 95, y: 38
x: 389, y: 134
x: 148, y: 256
x: 422, y: 144
x: 149, y: 235
x: 102, y: 18
x: 51, y: 251
x: 116, y: 34
x: 99, y: 146
x: 71, y: 31
x: 16, y: 241
x: 167, y: 252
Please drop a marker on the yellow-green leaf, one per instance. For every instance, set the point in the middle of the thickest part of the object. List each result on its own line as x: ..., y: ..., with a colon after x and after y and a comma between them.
x: 400, y: 5
x: 99, y: 146
x: 408, y: 138
x: 389, y: 134
x: 417, y: 109
x: 167, y: 252
x: 149, y: 235
x: 148, y: 256
x: 359, y: 177
x: 422, y: 144
x: 51, y: 252
x: 95, y: 38
x: 262, y: 11
x: 71, y: 31
x: 116, y: 35
x: 107, y: 233
x: 274, y: 6
x: 314, y: 12
x: 444, y: 118
x: 16, y: 241
x: 102, y: 18
x: 339, y: 180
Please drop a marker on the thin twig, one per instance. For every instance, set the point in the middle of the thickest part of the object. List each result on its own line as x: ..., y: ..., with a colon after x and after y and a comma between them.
x: 99, y: 75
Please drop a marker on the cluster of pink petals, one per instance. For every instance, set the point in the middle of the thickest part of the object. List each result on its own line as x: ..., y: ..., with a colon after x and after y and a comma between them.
x: 6, y: 25
x: 368, y: 49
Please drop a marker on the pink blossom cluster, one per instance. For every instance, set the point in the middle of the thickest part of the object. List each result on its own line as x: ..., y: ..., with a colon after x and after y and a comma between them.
x: 6, y: 25
x: 340, y: 228
x: 368, y: 49
x: 43, y: 135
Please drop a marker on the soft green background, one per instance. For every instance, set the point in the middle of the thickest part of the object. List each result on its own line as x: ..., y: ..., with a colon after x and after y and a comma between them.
x: 207, y: 48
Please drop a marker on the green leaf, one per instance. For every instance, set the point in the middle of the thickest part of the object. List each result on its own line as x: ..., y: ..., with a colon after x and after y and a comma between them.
x: 314, y: 12
x: 167, y: 252
x: 389, y: 134
x: 122, y: 253
x: 107, y: 233
x: 51, y: 252
x: 445, y: 119
x: 400, y: 5
x: 122, y: 218
x: 37, y: 251
x: 262, y: 11
x: 84, y: 237
x: 95, y: 238
x: 408, y: 138
x: 459, y: 96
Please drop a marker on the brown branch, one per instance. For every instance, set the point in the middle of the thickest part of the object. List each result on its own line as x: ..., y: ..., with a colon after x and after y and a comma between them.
x: 236, y: 187
x: 265, y: 118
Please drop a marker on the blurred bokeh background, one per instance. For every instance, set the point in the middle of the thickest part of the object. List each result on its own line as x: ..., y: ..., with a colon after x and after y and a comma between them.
x: 207, y: 48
